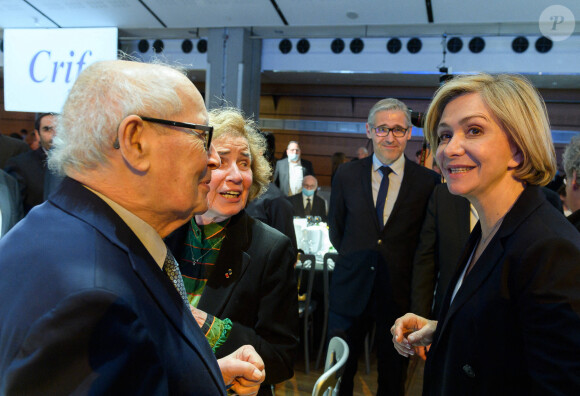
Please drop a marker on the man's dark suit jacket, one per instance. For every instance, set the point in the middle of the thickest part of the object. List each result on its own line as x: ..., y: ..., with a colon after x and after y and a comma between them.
x: 444, y: 233
x: 318, y: 206
x: 253, y: 285
x: 363, y: 246
x: 273, y: 208
x: 10, y: 203
x: 29, y: 169
x: 86, y: 310
x: 10, y: 147
x: 282, y: 173
x: 513, y: 326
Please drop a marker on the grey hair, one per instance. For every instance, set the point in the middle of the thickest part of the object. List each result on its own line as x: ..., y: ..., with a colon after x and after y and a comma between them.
x: 104, y: 94
x: 571, y: 158
x: 389, y: 104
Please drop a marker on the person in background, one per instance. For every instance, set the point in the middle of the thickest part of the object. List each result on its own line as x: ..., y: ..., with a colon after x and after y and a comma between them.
x: 377, y: 206
x: 29, y: 168
x: 362, y: 152
x: 307, y: 203
x: 94, y: 305
x: 290, y: 171
x: 337, y: 159
x: 10, y: 203
x: 239, y: 272
x: 571, y: 162
x: 272, y: 207
x: 511, y: 315
x: 10, y: 147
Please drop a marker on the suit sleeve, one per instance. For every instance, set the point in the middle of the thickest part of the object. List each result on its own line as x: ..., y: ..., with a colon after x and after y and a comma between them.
x: 276, y: 177
x: 281, y: 217
x: 275, y: 333
x: 13, y: 169
x: 547, y: 285
x: 91, y: 343
x: 424, y: 269
x: 337, y: 210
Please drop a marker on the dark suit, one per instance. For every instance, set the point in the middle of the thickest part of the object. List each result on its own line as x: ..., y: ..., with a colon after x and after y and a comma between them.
x: 87, y: 310
x: 282, y: 173
x: 259, y: 296
x: 513, y: 326
x: 10, y: 203
x: 373, y: 272
x: 443, y: 236
x: 574, y: 218
x: 273, y: 208
x: 10, y: 147
x: 29, y: 169
x: 318, y: 206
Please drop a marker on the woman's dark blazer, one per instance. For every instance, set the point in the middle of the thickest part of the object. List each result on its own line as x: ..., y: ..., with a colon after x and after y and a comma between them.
x: 253, y: 285
x: 514, y: 325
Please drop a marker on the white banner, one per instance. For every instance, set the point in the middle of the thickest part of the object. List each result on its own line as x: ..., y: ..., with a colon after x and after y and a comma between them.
x: 41, y: 65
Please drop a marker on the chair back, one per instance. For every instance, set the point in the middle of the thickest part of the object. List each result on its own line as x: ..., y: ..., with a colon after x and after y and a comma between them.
x: 328, y: 384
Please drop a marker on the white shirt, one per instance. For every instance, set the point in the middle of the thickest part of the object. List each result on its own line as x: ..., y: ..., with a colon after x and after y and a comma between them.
x: 295, y: 176
x: 395, y: 180
x: 0, y: 222
x: 305, y: 200
x: 146, y: 234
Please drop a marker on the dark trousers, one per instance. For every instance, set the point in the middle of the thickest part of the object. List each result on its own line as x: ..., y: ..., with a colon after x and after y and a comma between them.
x: 392, y: 367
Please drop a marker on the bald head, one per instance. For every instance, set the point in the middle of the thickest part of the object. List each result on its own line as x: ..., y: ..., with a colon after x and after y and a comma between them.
x: 310, y: 183
x: 104, y: 94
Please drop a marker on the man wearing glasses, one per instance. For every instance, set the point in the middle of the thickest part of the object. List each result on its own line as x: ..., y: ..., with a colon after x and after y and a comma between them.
x: 96, y: 304
x: 377, y: 206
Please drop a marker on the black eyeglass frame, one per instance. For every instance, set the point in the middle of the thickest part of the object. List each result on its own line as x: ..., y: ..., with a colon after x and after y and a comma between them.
x: 207, y: 130
x: 390, y: 130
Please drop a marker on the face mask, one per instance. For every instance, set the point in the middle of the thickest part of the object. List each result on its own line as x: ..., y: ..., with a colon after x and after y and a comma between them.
x: 293, y: 157
x: 308, y: 193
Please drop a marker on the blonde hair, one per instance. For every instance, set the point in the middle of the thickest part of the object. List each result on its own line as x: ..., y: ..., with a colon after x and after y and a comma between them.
x: 521, y: 112
x: 229, y: 121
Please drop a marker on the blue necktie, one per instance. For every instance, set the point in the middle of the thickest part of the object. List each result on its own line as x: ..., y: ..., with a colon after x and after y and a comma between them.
x: 382, y: 195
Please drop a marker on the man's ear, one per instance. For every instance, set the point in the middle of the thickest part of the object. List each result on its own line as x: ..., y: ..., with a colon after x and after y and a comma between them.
x: 574, y: 181
x: 368, y: 128
x: 133, y: 143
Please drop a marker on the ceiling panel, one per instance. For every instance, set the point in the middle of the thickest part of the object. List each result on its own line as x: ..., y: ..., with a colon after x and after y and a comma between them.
x: 496, y: 11
x: 97, y: 13
x: 348, y: 12
x: 18, y: 14
x: 215, y: 13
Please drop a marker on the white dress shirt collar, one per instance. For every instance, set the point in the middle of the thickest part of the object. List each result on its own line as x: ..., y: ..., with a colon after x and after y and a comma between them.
x: 146, y: 234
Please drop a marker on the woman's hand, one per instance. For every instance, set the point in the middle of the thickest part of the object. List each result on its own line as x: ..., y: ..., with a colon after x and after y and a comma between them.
x: 410, y: 331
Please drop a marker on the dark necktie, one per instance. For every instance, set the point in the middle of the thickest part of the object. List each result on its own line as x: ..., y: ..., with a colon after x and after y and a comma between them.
x: 172, y: 270
x: 382, y: 195
x: 308, y: 208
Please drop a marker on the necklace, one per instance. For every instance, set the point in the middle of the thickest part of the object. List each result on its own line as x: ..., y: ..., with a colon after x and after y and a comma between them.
x: 199, y: 237
x: 482, y: 244
x: 198, y: 260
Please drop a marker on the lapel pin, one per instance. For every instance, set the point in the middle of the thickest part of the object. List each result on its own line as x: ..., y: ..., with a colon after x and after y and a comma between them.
x: 229, y: 273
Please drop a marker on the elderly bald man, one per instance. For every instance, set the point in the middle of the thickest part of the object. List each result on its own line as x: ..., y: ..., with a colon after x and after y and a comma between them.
x: 94, y: 305
x: 307, y: 203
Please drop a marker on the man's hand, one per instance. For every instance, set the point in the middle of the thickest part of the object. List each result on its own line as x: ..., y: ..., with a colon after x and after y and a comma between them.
x: 411, y: 331
x: 243, y: 370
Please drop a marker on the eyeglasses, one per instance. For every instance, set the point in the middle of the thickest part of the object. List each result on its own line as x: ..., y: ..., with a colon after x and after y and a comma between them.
x: 397, y: 132
x: 206, y: 134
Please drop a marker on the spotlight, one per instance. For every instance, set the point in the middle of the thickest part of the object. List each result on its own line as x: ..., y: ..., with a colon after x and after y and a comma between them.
x: 158, y: 46
x: 202, y: 46
x: 186, y: 46
x: 143, y: 46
